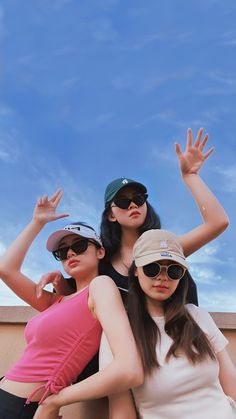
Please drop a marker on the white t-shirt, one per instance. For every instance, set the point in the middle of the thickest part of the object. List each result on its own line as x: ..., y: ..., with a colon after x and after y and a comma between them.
x: 179, y: 389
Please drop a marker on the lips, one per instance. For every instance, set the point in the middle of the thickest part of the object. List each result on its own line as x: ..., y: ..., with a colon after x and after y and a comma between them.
x: 160, y: 287
x: 73, y: 262
x: 133, y: 213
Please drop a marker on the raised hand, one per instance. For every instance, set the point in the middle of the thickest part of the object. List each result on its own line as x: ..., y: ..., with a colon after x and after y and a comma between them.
x: 56, y: 279
x: 192, y: 158
x: 45, y: 209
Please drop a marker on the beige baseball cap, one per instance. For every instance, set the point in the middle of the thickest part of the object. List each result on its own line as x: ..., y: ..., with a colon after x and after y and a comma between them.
x: 154, y: 245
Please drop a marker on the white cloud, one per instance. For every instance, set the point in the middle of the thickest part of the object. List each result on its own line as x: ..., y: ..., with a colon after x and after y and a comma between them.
x: 206, y: 275
x: 207, y: 254
x: 218, y: 301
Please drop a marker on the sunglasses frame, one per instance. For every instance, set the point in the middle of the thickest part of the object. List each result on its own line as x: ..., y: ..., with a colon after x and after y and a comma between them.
x: 73, y: 247
x: 166, y: 270
x: 128, y: 201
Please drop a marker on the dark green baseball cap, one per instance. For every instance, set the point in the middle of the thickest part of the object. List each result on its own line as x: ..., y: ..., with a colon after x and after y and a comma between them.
x: 116, y: 185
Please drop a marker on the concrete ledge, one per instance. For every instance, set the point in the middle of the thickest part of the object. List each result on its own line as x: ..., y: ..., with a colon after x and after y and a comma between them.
x: 224, y: 320
x: 16, y: 314
x: 21, y: 314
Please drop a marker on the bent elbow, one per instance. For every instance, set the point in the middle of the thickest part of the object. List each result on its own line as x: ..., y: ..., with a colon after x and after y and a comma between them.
x: 223, y: 224
x: 134, y: 375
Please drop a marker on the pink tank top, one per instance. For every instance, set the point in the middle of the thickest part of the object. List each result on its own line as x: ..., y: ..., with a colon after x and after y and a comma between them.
x: 61, y: 341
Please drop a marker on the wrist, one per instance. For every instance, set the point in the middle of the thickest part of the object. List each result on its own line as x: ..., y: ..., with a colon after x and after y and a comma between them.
x: 188, y: 175
x: 53, y: 402
x: 37, y: 223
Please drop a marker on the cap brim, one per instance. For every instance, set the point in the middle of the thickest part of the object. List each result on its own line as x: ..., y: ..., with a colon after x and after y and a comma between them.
x: 154, y: 257
x: 139, y: 185
x: 55, y: 239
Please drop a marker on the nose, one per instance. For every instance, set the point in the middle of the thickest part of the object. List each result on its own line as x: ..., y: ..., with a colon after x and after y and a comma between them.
x: 70, y: 253
x: 163, y: 274
x: 132, y: 205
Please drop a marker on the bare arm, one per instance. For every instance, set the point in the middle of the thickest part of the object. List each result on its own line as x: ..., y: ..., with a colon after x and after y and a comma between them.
x: 121, y: 406
x: 11, y: 263
x: 215, y: 220
x: 124, y: 371
x: 227, y: 374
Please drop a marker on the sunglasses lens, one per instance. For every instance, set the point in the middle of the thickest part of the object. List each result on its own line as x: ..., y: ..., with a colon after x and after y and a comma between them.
x: 80, y: 246
x: 175, y: 271
x: 139, y: 199
x: 122, y: 203
x: 151, y: 270
x: 61, y: 254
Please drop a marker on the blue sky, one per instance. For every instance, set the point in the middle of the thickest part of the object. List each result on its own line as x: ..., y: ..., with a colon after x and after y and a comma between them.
x: 94, y: 90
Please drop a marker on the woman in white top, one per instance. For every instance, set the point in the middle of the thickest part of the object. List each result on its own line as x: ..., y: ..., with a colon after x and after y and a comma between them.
x: 188, y: 373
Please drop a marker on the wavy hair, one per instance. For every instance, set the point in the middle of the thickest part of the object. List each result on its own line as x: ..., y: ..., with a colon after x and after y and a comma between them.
x: 187, y: 336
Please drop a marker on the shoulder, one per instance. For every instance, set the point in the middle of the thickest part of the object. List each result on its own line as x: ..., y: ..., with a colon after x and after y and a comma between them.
x: 196, y: 311
x: 104, y: 296
x: 101, y: 281
x: 200, y: 315
x: 102, y: 285
x: 208, y: 326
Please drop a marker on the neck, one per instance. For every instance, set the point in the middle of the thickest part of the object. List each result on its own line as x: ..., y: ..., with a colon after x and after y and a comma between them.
x: 128, y: 238
x: 155, y: 308
x: 83, y: 280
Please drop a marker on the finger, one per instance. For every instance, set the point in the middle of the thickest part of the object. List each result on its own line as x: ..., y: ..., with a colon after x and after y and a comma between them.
x: 201, y: 147
x: 207, y: 154
x: 178, y: 149
x: 39, y: 287
x: 189, y: 138
x: 199, y: 136
x: 56, y: 197
x: 39, y: 202
x: 44, y: 199
x: 58, y: 216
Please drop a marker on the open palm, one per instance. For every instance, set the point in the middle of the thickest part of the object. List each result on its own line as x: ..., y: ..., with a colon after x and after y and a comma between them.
x: 192, y: 158
x: 45, y: 209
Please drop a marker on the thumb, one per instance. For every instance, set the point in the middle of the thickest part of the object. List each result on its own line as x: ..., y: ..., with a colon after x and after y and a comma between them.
x: 58, y: 216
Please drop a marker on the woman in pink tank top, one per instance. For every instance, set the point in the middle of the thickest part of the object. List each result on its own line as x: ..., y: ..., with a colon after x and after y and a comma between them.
x: 65, y: 335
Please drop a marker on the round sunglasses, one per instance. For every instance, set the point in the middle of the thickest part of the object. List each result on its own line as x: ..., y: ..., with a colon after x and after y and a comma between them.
x: 77, y: 247
x: 173, y: 271
x: 124, y: 203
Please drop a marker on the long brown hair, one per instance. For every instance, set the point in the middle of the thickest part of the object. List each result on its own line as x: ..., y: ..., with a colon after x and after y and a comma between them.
x: 187, y: 336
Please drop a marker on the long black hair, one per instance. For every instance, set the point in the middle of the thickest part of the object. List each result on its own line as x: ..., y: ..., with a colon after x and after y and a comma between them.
x: 187, y: 336
x: 110, y: 231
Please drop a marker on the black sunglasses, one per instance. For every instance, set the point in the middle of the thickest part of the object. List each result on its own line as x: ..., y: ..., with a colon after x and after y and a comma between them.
x: 124, y: 203
x: 77, y: 247
x: 174, y: 271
